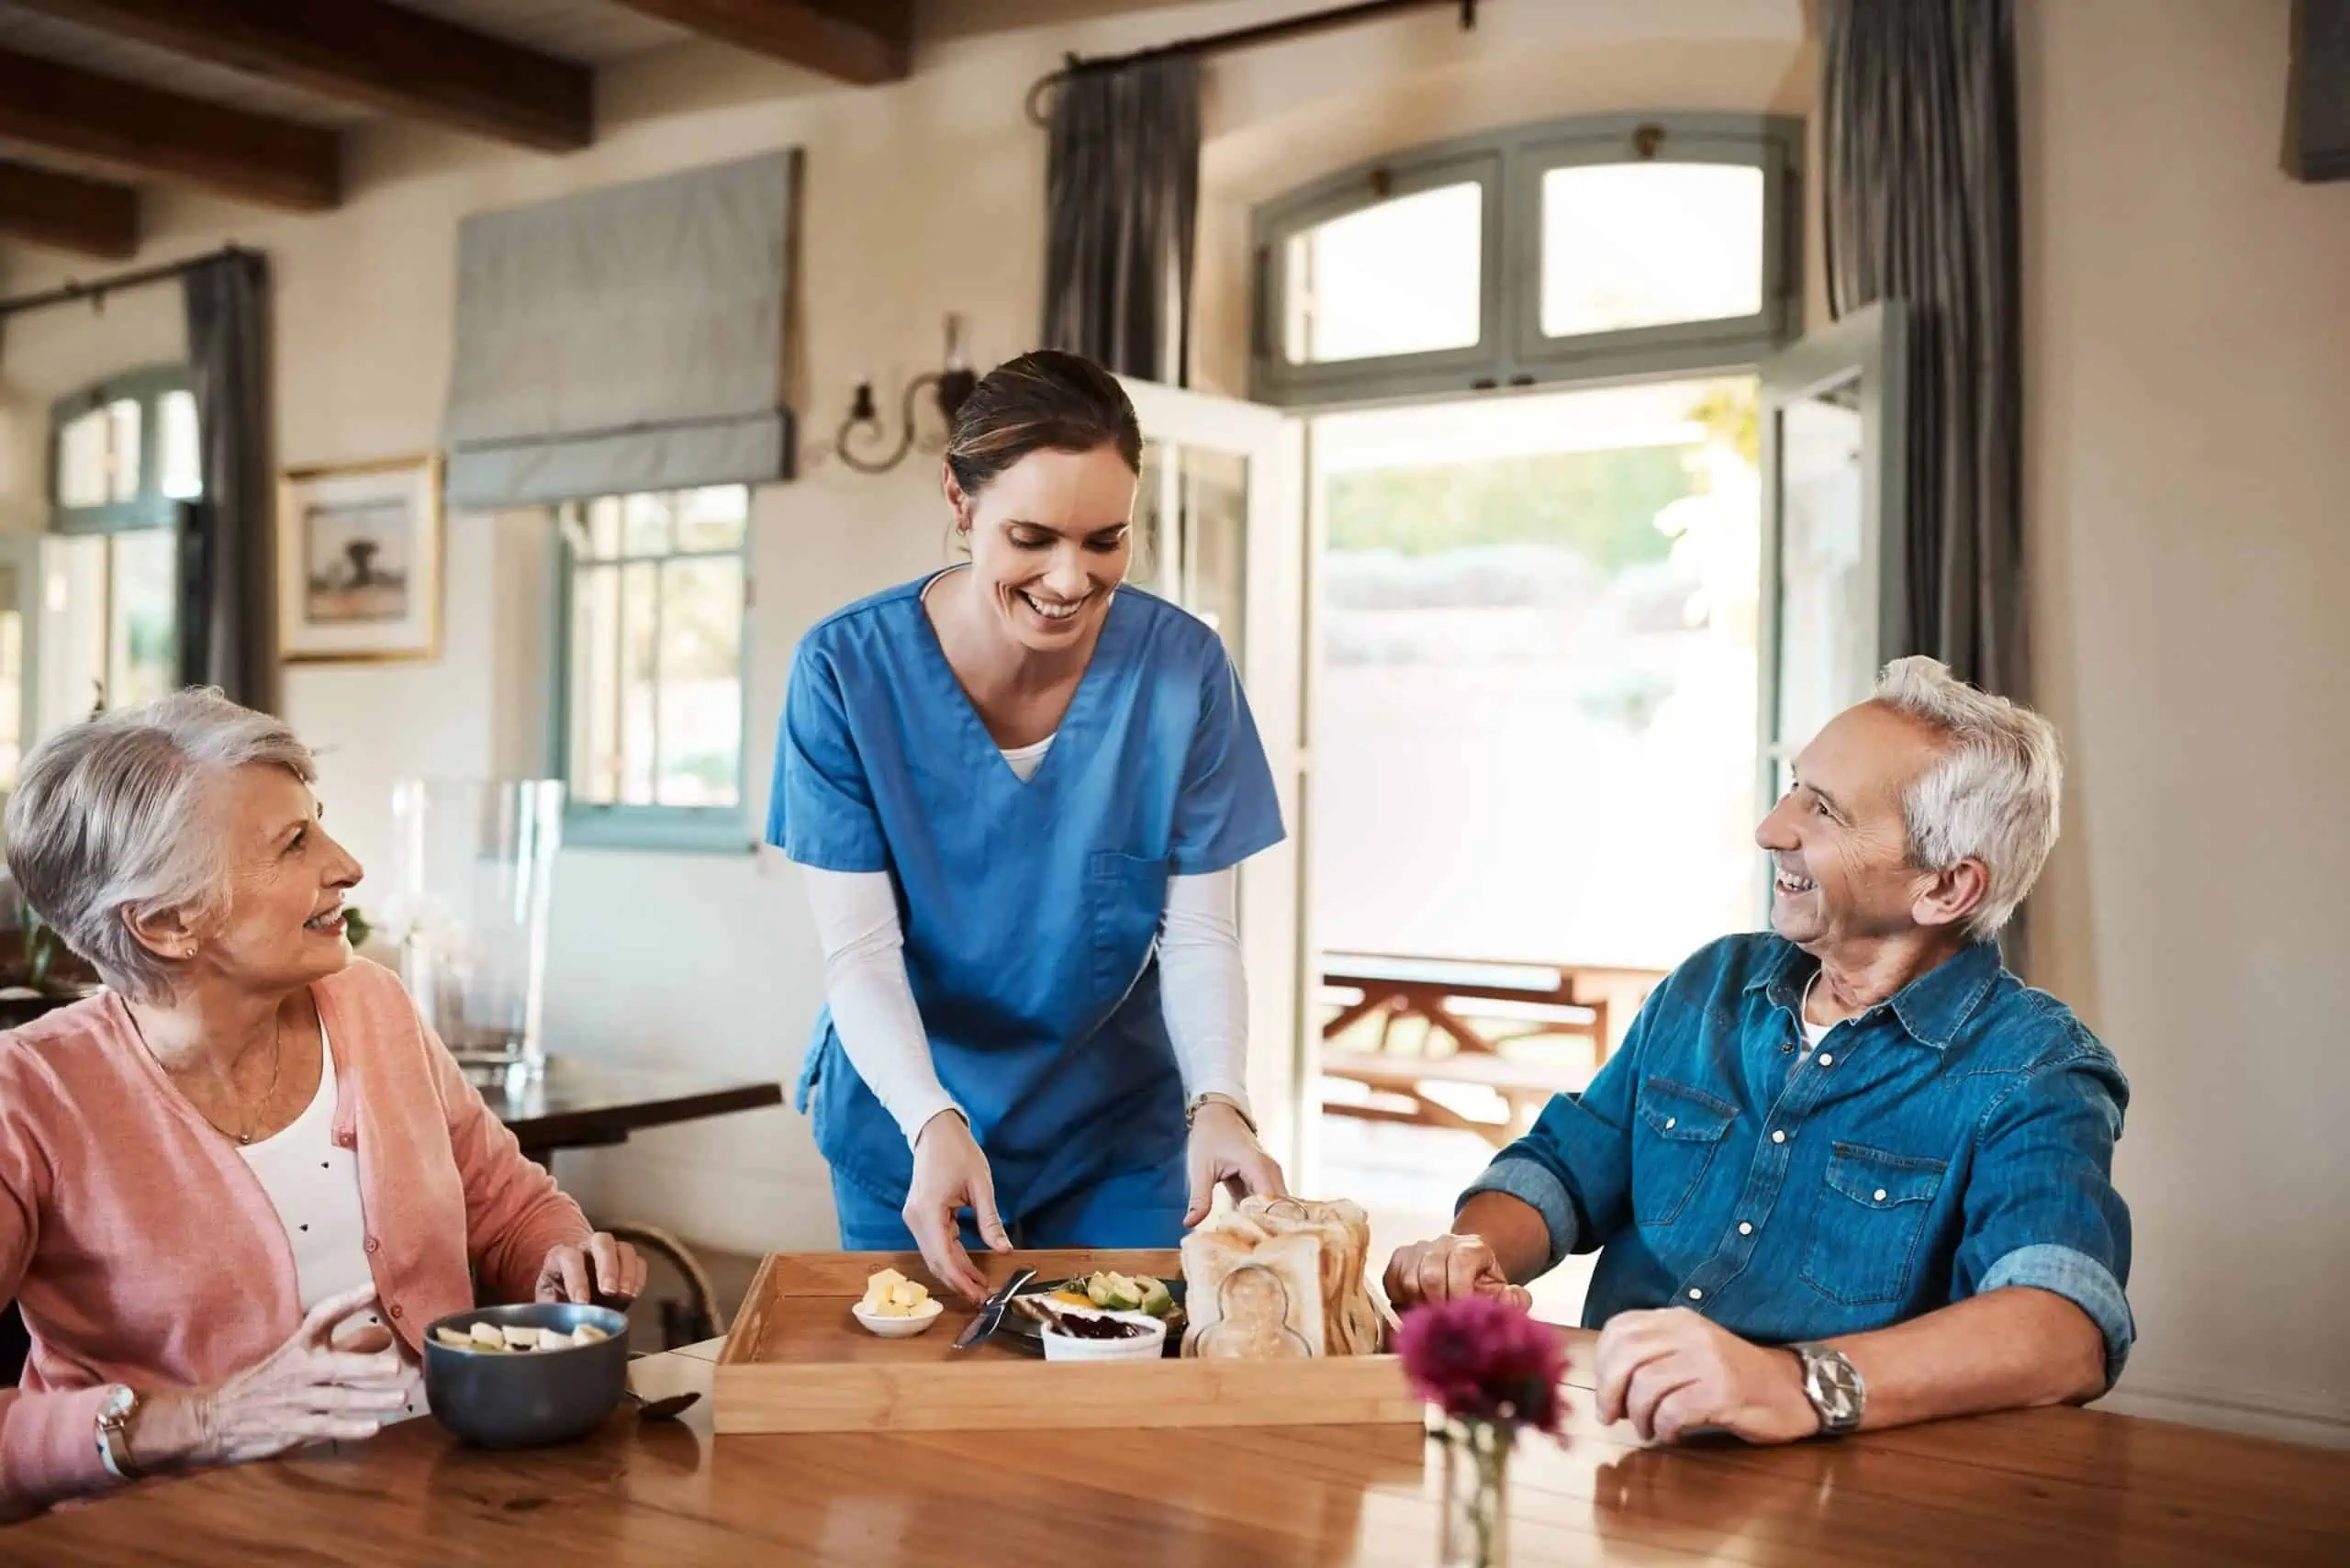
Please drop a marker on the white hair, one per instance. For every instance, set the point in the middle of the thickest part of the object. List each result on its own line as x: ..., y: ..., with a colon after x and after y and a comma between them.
x: 1993, y: 795
x: 108, y: 822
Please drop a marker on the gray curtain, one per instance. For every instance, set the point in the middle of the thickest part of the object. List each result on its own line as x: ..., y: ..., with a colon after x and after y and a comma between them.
x: 1122, y: 196
x: 1919, y: 102
x: 227, y: 606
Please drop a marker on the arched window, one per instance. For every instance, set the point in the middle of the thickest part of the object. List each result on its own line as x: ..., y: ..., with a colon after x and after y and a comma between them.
x: 1579, y: 250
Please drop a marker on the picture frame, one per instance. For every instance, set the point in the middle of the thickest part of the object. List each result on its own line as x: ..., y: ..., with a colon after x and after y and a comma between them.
x: 360, y: 547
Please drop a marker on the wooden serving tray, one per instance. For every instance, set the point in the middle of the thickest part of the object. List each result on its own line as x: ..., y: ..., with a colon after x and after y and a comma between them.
x: 797, y: 1362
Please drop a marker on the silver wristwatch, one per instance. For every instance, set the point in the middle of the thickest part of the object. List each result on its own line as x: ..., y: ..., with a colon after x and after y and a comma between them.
x: 1834, y: 1387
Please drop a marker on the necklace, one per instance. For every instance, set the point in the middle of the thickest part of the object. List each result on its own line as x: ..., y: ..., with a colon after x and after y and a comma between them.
x: 276, y: 1061
x: 244, y: 1134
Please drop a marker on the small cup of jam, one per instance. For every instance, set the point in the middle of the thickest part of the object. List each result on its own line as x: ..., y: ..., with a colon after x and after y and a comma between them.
x: 1073, y: 1335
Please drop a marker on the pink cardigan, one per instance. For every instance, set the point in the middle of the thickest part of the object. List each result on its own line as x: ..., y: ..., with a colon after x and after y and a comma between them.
x: 143, y: 1249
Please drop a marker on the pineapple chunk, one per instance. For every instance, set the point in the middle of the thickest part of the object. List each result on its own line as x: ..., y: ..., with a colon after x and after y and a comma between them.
x: 487, y: 1337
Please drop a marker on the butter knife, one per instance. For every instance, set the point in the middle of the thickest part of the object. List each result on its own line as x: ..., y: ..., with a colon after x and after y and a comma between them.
x: 990, y: 1313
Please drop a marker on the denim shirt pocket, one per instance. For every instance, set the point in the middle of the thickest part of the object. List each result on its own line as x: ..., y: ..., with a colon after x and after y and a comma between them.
x: 1680, y: 1130
x: 1129, y: 898
x: 1865, y: 1223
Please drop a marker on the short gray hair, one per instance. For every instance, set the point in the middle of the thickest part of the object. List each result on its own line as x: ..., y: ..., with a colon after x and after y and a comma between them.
x: 108, y: 819
x: 1992, y: 796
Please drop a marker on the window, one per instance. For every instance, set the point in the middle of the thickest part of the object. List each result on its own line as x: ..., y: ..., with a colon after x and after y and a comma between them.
x: 650, y: 733
x: 124, y: 460
x: 1577, y: 250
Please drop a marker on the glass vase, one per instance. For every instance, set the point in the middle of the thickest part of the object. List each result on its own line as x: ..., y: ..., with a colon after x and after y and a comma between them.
x: 1476, y: 1494
x: 473, y: 864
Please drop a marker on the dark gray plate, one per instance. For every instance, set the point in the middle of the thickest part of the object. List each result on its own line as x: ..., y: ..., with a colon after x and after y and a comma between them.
x: 1024, y: 1333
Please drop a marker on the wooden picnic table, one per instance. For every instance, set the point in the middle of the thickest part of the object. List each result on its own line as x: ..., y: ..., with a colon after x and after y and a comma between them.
x: 1463, y: 1001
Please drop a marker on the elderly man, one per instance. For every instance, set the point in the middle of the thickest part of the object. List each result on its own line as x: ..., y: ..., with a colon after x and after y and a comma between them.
x: 1853, y: 1173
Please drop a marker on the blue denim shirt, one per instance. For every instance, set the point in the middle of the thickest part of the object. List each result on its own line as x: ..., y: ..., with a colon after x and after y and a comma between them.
x: 1952, y: 1140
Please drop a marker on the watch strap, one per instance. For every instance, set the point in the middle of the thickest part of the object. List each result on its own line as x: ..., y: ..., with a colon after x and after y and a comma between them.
x: 1192, y: 1109
x: 115, y: 1413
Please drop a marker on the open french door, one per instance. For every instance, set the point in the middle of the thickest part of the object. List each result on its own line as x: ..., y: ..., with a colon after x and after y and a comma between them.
x: 1834, y: 541
x: 1220, y: 530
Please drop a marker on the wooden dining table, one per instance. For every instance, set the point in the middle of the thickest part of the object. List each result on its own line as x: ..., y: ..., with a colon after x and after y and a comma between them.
x: 2058, y: 1488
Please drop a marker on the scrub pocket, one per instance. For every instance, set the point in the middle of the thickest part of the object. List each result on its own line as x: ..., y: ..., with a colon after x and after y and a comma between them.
x: 1128, y: 895
x: 1673, y: 1147
x: 1865, y: 1223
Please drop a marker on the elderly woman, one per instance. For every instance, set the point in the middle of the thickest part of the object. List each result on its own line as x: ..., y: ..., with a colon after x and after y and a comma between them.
x: 236, y: 1186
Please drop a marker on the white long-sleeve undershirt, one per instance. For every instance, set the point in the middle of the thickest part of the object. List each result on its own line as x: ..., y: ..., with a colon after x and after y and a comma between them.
x: 1203, y: 992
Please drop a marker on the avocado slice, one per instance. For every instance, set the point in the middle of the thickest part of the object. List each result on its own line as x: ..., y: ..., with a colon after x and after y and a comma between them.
x: 1156, y: 1299
x: 1114, y: 1293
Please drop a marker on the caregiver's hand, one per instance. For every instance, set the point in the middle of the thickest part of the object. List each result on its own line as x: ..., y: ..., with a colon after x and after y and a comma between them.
x: 950, y: 1175
x: 1223, y: 1150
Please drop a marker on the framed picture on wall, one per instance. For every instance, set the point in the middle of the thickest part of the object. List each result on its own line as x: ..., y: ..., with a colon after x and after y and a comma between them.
x: 359, y: 551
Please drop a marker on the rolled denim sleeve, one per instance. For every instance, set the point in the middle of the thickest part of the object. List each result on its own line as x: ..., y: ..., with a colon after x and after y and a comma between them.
x: 1574, y: 1166
x: 2041, y: 1210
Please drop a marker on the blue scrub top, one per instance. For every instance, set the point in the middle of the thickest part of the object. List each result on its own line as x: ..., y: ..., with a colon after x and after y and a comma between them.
x: 1031, y: 911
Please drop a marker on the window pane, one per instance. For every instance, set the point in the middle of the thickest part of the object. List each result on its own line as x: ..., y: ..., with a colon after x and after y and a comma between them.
x: 594, y: 704
x: 82, y: 460
x: 1400, y: 277
x: 1827, y: 627
x: 12, y: 679
x: 1643, y: 244
x: 644, y: 524
x: 179, y: 464
x: 122, y: 450
x: 142, y: 654
x: 639, y: 705
x: 701, y: 682
x: 713, y: 519
x: 604, y: 527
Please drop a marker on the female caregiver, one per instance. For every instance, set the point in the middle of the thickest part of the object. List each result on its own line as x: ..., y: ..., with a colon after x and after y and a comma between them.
x: 1014, y: 786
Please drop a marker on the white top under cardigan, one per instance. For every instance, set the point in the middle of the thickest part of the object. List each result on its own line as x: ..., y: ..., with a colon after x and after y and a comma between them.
x: 313, y: 1183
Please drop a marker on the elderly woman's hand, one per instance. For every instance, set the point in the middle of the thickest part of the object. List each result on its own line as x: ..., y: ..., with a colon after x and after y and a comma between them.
x: 306, y: 1391
x: 605, y: 1267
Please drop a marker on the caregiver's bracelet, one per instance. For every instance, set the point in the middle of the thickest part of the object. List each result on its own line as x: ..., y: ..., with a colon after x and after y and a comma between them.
x: 1192, y: 1111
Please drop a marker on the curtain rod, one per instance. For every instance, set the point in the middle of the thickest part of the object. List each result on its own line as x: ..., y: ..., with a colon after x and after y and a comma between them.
x: 95, y: 291
x: 1242, y: 38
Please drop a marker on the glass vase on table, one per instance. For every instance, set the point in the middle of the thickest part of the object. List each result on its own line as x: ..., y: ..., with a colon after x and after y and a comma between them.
x: 1487, y: 1371
x: 472, y: 872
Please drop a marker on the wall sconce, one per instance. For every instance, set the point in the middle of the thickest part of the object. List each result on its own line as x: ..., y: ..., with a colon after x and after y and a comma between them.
x: 950, y: 387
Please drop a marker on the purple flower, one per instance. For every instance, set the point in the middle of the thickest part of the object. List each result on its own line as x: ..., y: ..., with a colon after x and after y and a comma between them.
x: 1483, y: 1359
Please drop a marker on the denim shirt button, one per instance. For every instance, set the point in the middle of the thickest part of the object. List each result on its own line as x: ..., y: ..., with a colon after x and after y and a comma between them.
x: 1780, y: 1136
x: 1697, y: 1294
x: 1745, y: 1227
x: 1827, y: 1060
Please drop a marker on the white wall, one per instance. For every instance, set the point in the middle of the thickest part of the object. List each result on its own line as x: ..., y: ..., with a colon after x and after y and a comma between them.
x: 2187, y: 357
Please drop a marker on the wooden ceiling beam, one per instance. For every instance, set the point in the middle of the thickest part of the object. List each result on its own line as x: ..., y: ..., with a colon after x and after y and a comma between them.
x: 252, y: 156
x: 402, y: 62
x: 95, y: 217
x: 864, y: 42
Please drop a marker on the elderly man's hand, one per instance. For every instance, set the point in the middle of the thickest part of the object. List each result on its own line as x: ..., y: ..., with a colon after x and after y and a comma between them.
x: 605, y: 1267
x: 1673, y: 1372
x: 1448, y: 1269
